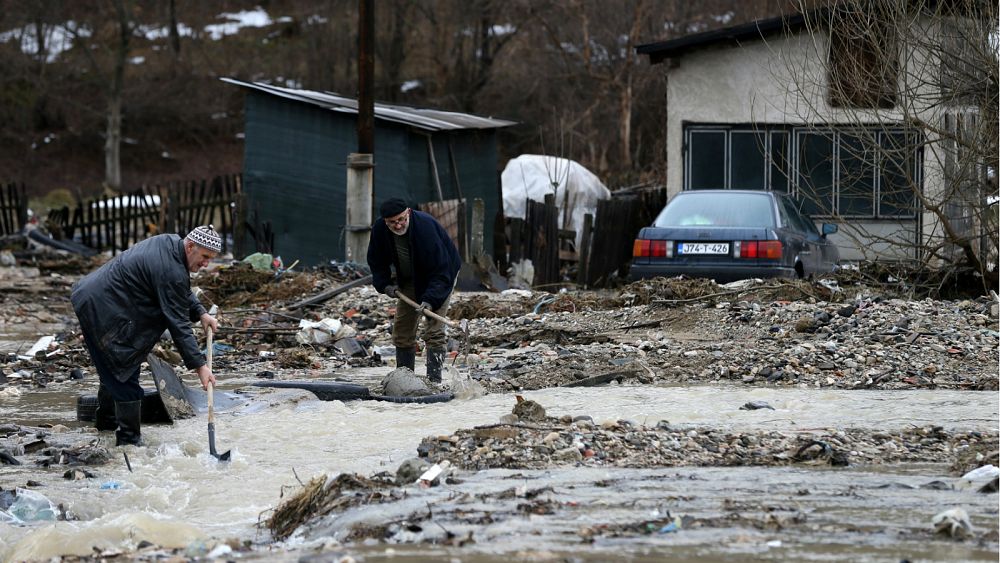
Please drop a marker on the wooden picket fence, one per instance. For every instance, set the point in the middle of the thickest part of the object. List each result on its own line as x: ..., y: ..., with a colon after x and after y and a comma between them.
x: 605, y: 248
x: 13, y: 209
x: 116, y: 223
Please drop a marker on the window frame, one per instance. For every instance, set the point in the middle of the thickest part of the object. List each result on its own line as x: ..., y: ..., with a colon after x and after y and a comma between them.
x: 793, y: 136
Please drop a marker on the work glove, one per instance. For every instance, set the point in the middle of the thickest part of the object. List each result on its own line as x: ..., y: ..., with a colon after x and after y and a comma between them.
x: 424, y: 306
x: 390, y: 290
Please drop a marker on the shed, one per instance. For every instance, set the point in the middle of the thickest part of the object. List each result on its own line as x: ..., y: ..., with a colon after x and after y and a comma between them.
x: 295, y: 171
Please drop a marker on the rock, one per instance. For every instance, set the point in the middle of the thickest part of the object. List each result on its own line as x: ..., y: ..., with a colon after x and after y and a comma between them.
x: 529, y: 411
x: 805, y: 324
x: 847, y: 311
x: 402, y: 382
x: 755, y: 405
x: 410, y: 470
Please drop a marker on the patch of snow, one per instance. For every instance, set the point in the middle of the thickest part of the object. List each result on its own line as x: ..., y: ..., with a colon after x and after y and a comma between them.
x: 410, y: 85
x: 58, y: 38
x: 503, y: 29
x: 316, y: 19
x: 257, y: 17
x: 137, y: 60
x: 127, y: 201
x: 162, y: 32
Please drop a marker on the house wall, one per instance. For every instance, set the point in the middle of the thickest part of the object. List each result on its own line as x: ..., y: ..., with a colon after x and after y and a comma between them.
x: 783, y: 81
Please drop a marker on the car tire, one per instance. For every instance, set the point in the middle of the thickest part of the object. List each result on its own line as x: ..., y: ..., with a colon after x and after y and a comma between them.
x: 435, y: 398
x: 324, y: 390
x: 153, y: 411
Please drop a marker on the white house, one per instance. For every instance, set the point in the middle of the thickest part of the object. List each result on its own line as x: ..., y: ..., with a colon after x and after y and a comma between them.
x: 762, y: 106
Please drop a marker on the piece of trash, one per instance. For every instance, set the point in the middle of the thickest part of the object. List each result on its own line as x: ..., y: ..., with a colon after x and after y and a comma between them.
x: 219, y: 349
x: 219, y: 551
x: 260, y: 261
x: 41, y: 345
x: 953, y: 522
x: 350, y: 346
x: 31, y: 506
x: 984, y: 472
x: 672, y: 526
x: 110, y: 486
x: 76, y: 373
x: 432, y: 475
x: 266, y: 354
x: 321, y: 332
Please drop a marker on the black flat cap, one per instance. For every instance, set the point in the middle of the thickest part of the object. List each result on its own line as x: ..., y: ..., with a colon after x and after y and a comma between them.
x: 392, y: 207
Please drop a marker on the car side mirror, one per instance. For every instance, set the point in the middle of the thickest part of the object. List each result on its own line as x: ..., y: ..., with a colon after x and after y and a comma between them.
x: 829, y: 228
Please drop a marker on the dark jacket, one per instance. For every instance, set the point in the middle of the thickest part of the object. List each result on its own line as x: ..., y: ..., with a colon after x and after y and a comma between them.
x: 433, y: 255
x: 126, y: 304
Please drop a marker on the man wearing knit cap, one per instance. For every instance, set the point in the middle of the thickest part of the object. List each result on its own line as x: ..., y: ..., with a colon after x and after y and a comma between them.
x: 126, y: 304
x: 411, y: 253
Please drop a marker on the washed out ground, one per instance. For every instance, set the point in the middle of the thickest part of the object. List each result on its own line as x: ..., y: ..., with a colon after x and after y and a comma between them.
x: 838, y: 335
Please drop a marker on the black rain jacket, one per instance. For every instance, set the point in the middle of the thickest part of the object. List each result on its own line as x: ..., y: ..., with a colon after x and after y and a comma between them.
x: 126, y: 304
x: 433, y: 255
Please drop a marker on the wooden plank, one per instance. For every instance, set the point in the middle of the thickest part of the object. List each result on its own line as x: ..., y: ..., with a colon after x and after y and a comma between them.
x: 584, y: 250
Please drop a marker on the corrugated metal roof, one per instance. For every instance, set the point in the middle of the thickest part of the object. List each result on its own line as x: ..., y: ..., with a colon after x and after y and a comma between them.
x: 428, y: 119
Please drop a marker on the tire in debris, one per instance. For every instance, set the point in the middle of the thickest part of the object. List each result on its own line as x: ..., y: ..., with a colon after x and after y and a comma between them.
x: 337, y: 391
x: 435, y: 398
x: 153, y: 411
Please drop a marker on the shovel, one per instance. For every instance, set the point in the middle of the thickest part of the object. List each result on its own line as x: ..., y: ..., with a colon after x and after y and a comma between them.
x: 211, y: 409
x: 462, y: 325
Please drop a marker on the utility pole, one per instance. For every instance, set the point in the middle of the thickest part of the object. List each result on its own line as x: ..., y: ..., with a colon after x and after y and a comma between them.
x: 361, y: 164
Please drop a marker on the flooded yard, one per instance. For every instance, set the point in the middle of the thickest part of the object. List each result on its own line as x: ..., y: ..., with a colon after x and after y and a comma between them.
x: 693, y: 448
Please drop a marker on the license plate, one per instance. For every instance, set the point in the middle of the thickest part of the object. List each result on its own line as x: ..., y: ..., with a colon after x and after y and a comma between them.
x: 703, y: 248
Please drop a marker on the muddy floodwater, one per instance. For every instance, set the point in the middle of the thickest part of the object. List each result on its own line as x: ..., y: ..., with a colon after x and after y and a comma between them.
x: 178, y: 496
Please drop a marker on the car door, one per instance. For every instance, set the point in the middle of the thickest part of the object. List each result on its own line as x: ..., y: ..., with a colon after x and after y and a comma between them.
x: 813, y: 241
x: 793, y: 235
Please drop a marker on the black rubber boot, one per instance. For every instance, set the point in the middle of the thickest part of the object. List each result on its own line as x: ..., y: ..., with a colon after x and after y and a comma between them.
x: 435, y: 357
x: 129, y: 416
x: 104, y: 416
x: 406, y: 358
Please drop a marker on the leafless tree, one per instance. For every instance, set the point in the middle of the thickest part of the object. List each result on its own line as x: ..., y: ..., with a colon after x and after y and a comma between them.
x: 909, y: 82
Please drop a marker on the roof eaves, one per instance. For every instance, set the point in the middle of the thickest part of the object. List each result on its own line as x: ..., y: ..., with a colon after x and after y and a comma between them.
x: 734, y: 35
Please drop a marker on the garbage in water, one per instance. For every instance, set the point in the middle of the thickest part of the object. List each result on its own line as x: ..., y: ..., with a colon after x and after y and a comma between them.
x: 30, y: 506
x: 433, y: 475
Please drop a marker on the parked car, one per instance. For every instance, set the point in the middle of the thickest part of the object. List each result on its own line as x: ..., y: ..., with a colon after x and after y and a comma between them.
x: 729, y: 235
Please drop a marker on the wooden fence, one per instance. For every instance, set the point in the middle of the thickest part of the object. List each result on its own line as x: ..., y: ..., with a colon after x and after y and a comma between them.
x: 605, y: 248
x: 451, y: 214
x: 13, y: 209
x: 115, y: 223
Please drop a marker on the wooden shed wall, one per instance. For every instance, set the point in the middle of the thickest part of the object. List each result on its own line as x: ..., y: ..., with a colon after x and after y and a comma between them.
x: 295, y: 172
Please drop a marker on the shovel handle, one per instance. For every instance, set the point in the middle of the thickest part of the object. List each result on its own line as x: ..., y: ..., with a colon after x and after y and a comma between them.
x: 431, y: 314
x: 208, y: 354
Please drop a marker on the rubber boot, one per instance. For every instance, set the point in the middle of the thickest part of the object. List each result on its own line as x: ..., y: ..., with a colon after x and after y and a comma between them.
x: 406, y: 358
x: 129, y: 416
x: 104, y: 416
x: 435, y: 357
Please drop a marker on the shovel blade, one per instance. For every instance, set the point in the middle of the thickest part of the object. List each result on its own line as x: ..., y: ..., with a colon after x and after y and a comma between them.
x: 211, y: 445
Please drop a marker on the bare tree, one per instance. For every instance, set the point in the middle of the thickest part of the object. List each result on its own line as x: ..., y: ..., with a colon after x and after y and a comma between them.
x: 912, y: 86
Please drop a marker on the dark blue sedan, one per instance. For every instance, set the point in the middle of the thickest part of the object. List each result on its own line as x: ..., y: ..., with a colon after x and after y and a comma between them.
x: 729, y: 235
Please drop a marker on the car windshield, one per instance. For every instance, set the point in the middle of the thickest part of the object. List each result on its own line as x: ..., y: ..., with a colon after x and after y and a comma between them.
x: 720, y: 210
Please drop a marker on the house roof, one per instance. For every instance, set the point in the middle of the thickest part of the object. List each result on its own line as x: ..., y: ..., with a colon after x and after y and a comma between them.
x: 426, y: 119
x: 733, y: 36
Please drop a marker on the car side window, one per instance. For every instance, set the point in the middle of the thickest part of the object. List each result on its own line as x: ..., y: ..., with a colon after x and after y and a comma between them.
x: 797, y: 219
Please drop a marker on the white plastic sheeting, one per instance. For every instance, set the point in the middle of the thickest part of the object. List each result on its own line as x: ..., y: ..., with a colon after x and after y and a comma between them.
x: 533, y: 176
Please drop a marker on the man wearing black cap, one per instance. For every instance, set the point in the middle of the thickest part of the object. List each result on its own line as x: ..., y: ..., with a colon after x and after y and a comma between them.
x: 426, y: 264
x: 126, y: 304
